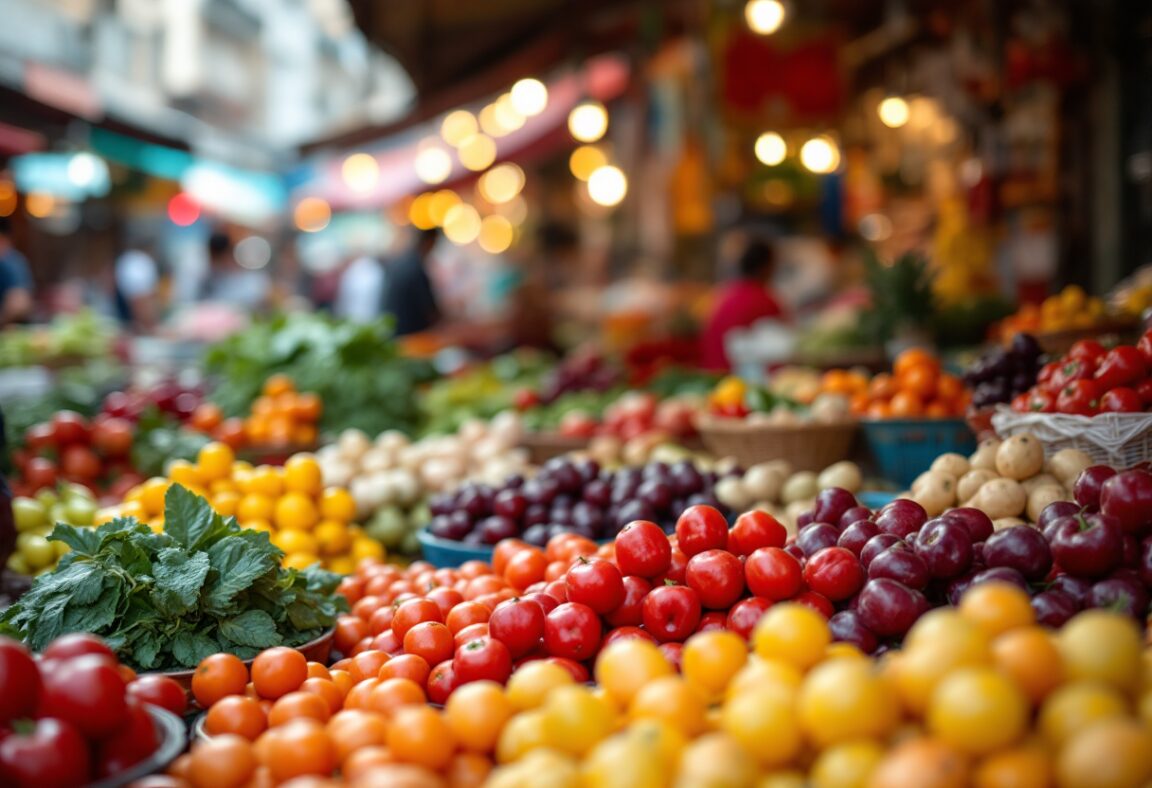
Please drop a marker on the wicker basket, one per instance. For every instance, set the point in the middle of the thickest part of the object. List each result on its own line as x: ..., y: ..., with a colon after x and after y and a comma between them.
x: 1117, y: 439
x: 808, y: 447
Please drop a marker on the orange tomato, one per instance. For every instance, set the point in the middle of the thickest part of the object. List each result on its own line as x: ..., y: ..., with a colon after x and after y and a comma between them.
x: 357, y: 697
x: 525, y: 568
x: 937, y: 410
x: 367, y: 664
x: 217, y: 676
x: 326, y: 690
x: 883, y: 386
x: 390, y: 695
x: 307, y: 407
x: 914, y: 357
x: 949, y: 387
x: 225, y: 761
x: 236, y: 714
x: 407, y: 666
x: 299, y: 748
x: 920, y: 380
x: 278, y: 384
x: 905, y: 405
x: 476, y: 713
x: 296, y: 705
x: 230, y: 432
x: 504, y: 551
x: 352, y: 730
x: 207, y: 416
x: 278, y: 671
x: 365, y: 759
x: 419, y: 735
x: 468, y: 770
x: 879, y: 410
x: 430, y: 640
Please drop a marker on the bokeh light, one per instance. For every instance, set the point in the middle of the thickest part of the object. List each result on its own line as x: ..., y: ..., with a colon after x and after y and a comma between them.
x: 501, y: 183
x: 529, y: 97
x: 312, y: 214
x: 433, y: 164
x: 361, y: 172
x: 893, y: 112
x: 40, y: 205
x: 253, y: 252
x: 458, y: 126
x: 183, y: 210
x: 771, y: 148
x: 588, y: 122
x: 585, y: 160
x: 607, y: 186
x: 764, y: 17
x: 507, y: 116
x: 462, y: 224
x: 477, y: 152
x: 8, y: 198
x: 515, y: 210
x: 496, y: 234
x: 440, y: 203
x: 420, y: 212
x: 820, y: 155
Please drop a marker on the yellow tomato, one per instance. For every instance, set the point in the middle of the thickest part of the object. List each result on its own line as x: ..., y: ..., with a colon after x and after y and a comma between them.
x: 764, y: 721
x: 293, y: 541
x: 792, y: 633
x: 254, y: 506
x: 846, y: 765
x: 267, y: 481
x: 366, y: 547
x: 226, y: 503
x: 295, y: 510
x: 529, y: 686
x: 574, y: 720
x: 341, y: 565
x: 1113, y: 753
x: 757, y: 672
x: 336, y: 503
x: 711, y: 659
x: 215, y: 461
x: 1074, y: 706
x: 845, y: 699
x: 627, y: 665
x: 997, y: 607
x: 302, y: 475
x: 152, y: 494
x: 333, y: 537
x: 715, y: 759
x: 223, y: 485
x: 978, y: 711
x: 259, y: 525
x: 184, y: 472
x: 1104, y: 646
x: 1026, y: 766
x: 300, y: 560
x: 476, y: 713
x: 672, y: 700
x: 625, y: 762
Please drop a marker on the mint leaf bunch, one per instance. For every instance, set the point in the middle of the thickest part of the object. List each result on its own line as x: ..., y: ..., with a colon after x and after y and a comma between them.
x: 164, y: 601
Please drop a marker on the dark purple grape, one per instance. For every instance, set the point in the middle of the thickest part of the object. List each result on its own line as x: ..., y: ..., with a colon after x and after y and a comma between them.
x: 535, y: 514
x: 514, y: 482
x: 815, y: 537
x: 442, y: 527
x: 1002, y: 574
x: 510, y: 503
x: 581, y: 530
x: 475, y: 503
x: 847, y: 627
x: 854, y: 515
x: 831, y: 504
x: 461, y: 521
x: 634, y: 510
x: 656, y: 493
x: 856, y: 535
x: 493, y: 529
x: 540, y: 490
x: 443, y: 503
x: 656, y: 470
x: 1054, y: 608
x: 704, y: 499
x: 474, y: 538
x: 876, y: 545
x: 598, y: 493
x: 588, y: 469
x: 585, y: 514
x: 685, y: 479
x: 536, y: 535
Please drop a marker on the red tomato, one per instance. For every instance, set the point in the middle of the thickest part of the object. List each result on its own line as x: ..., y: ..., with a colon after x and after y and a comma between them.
x: 77, y: 644
x: 754, y: 530
x: 773, y: 573
x: 673, y: 652
x: 596, y: 583
x: 744, y: 615
x: 160, y: 691
x: 86, y: 691
x: 1144, y: 389
x: 19, y: 681
x: 834, y: 572
x: 70, y: 427
x: 1046, y: 375
x: 430, y: 640
x: 816, y: 601
x: 630, y: 611
x: 1121, y: 366
x: 54, y: 753
x: 1145, y: 347
x: 1041, y: 402
x: 676, y: 569
x: 518, y: 624
x: 578, y: 671
x: 480, y: 659
x: 1121, y: 400
x: 1087, y: 350
x: 80, y: 463
x: 1080, y: 397
x: 717, y: 576
x: 445, y: 599
x: 627, y: 633
x: 642, y: 549
x: 412, y: 612
x: 129, y: 745
x: 712, y: 620
x: 470, y: 633
x: 701, y: 528
x: 40, y: 473
x: 671, y: 612
x: 572, y: 630
x: 112, y: 437
x: 39, y: 437
x: 548, y: 602
x: 1021, y: 402
x: 441, y: 682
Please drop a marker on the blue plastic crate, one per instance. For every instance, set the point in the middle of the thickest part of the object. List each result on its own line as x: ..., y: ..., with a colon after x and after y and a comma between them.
x: 448, y: 553
x: 905, y: 448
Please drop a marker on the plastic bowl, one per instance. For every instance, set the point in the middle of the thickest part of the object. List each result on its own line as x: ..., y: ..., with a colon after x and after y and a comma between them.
x: 875, y: 499
x: 449, y: 553
x: 173, y: 740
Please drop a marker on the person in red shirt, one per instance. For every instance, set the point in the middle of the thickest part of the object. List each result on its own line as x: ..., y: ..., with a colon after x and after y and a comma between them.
x: 741, y: 303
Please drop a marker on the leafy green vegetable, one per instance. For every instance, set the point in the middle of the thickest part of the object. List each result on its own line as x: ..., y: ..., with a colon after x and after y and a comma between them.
x: 356, y: 368
x: 165, y: 601
x: 902, y: 295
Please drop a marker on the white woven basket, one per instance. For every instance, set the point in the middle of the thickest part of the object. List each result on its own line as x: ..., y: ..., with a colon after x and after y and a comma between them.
x: 1117, y: 439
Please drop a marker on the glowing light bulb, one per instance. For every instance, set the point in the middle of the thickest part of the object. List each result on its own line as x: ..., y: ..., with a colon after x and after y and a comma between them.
x: 433, y: 164
x: 501, y: 183
x: 529, y: 97
x: 893, y: 112
x: 496, y: 234
x: 477, y: 152
x: 440, y: 203
x: 764, y: 17
x: 820, y: 155
x: 361, y: 172
x: 607, y: 186
x: 585, y: 160
x: 588, y: 121
x: 770, y: 148
x: 462, y: 224
x: 458, y: 126
x: 420, y: 212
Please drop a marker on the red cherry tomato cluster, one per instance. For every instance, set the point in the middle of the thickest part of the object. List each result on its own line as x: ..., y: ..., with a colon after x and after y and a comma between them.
x: 634, y: 414
x: 1091, y: 379
x: 95, y: 454
x: 566, y: 602
x: 74, y: 714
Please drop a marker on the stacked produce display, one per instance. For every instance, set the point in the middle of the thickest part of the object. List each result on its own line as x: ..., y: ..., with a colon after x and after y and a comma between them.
x: 636, y: 611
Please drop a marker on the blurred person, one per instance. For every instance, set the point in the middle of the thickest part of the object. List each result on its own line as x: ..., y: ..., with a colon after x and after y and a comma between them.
x: 408, y: 293
x: 744, y: 301
x: 360, y: 292
x: 136, y: 288
x: 229, y: 283
x: 15, y: 280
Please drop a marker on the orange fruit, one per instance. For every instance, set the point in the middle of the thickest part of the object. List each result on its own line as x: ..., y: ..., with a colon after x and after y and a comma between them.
x: 302, y: 475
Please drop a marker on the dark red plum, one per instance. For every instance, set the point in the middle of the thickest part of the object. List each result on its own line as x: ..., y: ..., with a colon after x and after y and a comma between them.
x: 856, y: 535
x: 1054, y: 511
x: 901, y: 517
x: 846, y: 627
x: 977, y: 523
x: 1076, y: 587
x: 1124, y: 594
x: 889, y: 608
x: 1019, y: 547
x: 1127, y: 497
x: 902, y: 564
x: 876, y: 545
x: 831, y: 504
x: 945, y: 547
x: 854, y: 515
x: 1054, y: 608
x: 814, y: 537
x: 1001, y: 574
x: 1090, y: 483
x: 1087, y: 545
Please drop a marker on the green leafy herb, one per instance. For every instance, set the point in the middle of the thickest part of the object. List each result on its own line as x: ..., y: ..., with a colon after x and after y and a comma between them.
x: 164, y: 601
